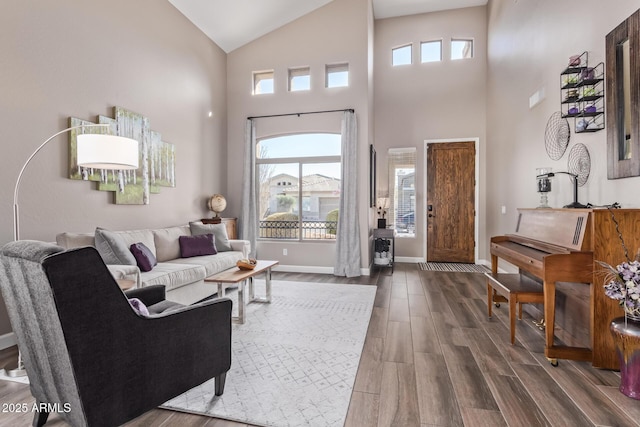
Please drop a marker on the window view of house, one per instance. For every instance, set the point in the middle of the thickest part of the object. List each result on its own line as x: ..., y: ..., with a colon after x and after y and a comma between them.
x: 337, y: 75
x: 461, y: 49
x: 401, y: 55
x: 263, y: 82
x: 299, y: 186
x: 431, y: 51
x: 299, y: 79
x: 402, y: 190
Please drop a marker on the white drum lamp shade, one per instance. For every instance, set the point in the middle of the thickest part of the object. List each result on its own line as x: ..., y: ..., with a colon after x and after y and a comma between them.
x: 100, y: 151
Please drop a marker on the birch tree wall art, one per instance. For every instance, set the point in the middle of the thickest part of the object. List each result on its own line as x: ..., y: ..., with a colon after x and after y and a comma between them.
x: 156, y: 159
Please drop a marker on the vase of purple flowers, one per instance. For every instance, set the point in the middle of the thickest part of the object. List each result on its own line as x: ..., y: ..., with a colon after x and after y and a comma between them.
x: 623, y: 285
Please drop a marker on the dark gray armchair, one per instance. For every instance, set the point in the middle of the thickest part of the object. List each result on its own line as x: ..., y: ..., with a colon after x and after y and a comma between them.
x: 84, y: 347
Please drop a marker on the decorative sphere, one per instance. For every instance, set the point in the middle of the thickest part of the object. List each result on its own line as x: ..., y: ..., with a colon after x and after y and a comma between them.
x: 217, y: 203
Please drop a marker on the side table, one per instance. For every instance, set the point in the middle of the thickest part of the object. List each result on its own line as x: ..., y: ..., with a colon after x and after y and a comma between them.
x: 385, y: 238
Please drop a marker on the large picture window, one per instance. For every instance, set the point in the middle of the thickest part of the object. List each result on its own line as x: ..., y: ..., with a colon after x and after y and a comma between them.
x: 299, y: 186
x: 402, y: 190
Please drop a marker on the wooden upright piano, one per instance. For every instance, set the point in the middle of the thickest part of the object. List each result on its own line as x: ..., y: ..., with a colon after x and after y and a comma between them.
x: 559, y: 247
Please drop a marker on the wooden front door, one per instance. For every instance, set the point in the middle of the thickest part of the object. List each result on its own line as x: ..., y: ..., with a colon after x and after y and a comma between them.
x: 451, y: 202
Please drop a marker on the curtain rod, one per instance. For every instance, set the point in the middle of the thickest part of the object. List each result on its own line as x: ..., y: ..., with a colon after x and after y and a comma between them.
x: 299, y: 114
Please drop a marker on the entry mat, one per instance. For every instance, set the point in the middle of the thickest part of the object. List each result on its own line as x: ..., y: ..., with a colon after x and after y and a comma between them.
x: 453, y: 266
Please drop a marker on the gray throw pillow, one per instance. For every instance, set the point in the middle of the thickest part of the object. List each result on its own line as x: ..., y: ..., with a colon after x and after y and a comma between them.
x: 112, y: 248
x: 218, y: 230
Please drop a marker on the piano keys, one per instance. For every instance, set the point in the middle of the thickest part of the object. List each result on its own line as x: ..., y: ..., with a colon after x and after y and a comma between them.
x: 560, y: 246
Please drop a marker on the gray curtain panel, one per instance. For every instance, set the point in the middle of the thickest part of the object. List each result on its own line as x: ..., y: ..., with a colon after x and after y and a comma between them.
x: 249, y: 218
x: 348, y: 237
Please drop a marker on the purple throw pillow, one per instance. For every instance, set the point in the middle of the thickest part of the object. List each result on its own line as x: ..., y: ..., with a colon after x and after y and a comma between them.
x: 191, y: 246
x: 139, y: 307
x: 144, y: 257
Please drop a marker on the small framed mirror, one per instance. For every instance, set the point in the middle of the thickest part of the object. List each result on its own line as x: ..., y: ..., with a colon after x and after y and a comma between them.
x: 623, y: 99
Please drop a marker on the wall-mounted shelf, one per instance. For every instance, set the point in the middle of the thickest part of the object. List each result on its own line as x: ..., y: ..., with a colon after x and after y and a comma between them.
x: 582, y: 94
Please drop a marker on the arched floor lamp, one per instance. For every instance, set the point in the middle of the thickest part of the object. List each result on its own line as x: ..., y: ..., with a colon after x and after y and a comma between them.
x: 98, y: 151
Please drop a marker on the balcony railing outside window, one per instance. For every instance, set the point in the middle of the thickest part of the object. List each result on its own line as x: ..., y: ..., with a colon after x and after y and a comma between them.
x: 311, y: 230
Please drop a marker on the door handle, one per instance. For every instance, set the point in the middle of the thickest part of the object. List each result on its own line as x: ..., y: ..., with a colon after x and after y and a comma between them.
x: 431, y: 216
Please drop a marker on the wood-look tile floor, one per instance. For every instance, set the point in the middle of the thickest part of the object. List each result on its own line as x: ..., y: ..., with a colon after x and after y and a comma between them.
x: 433, y: 358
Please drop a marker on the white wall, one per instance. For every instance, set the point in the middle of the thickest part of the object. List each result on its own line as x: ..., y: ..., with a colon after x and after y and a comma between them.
x: 68, y: 58
x: 336, y: 33
x: 430, y: 101
x: 529, y: 45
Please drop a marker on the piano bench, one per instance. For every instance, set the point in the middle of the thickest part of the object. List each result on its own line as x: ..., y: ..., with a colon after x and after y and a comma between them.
x: 515, y: 289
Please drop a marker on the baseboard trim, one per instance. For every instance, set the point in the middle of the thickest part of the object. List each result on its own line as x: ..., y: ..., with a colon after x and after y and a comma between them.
x: 312, y: 269
x: 303, y: 269
x: 7, y: 340
x: 409, y: 259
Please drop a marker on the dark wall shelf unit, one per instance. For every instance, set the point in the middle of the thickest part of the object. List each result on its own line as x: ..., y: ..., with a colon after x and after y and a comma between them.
x: 582, y: 94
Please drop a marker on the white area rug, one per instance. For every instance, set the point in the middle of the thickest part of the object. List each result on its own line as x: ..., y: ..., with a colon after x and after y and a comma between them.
x: 294, y: 361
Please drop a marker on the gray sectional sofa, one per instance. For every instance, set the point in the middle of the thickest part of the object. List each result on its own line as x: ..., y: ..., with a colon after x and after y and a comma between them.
x: 182, y: 277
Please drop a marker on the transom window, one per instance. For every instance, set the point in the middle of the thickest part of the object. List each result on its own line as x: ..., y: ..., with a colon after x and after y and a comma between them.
x: 401, y: 55
x: 299, y: 79
x: 431, y: 51
x: 299, y: 186
x: 262, y: 82
x: 337, y: 75
x: 461, y: 49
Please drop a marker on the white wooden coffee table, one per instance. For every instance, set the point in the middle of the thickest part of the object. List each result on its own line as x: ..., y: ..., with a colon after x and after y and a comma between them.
x: 240, y: 277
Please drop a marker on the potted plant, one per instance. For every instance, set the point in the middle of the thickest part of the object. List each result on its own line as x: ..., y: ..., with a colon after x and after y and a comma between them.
x: 383, y: 205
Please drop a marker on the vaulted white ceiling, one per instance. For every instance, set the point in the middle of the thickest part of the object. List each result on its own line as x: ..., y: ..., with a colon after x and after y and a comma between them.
x: 233, y: 23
